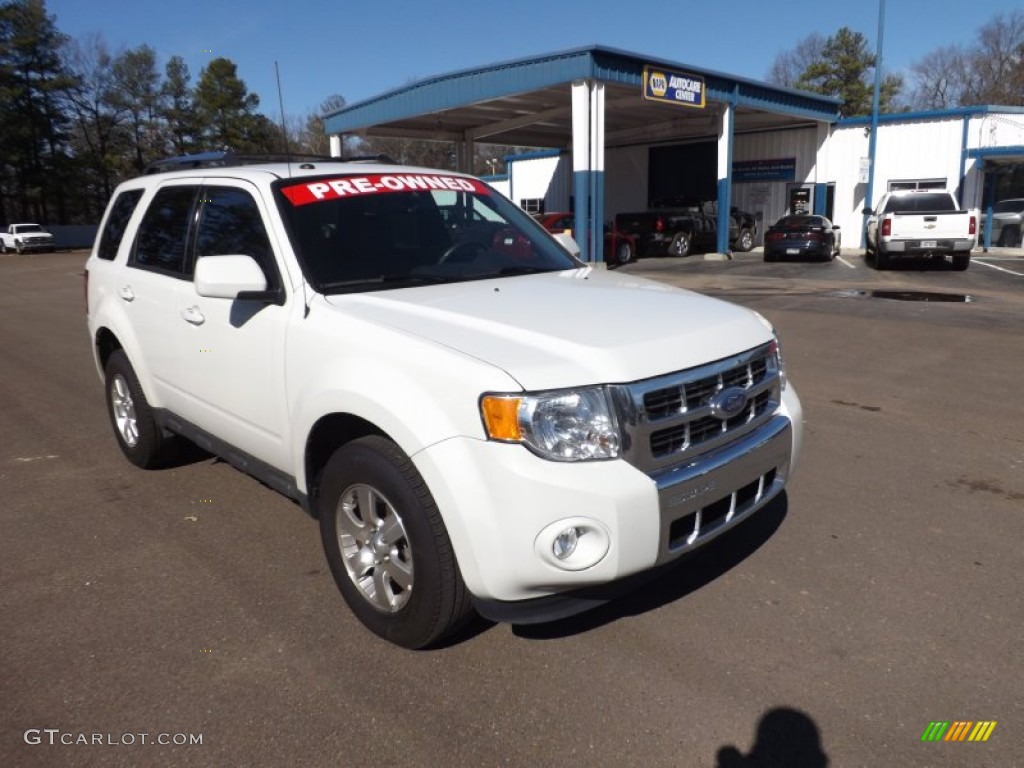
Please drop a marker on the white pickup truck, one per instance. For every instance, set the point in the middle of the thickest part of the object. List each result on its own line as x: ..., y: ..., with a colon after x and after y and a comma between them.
x: 421, y: 366
x: 923, y: 223
x: 25, y: 238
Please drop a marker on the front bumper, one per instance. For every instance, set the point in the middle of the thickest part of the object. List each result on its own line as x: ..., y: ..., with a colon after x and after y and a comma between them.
x: 45, y: 246
x: 502, y: 505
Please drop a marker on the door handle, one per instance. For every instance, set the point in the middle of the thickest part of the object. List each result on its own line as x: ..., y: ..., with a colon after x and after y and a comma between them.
x: 193, y: 315
x: 127, y: 293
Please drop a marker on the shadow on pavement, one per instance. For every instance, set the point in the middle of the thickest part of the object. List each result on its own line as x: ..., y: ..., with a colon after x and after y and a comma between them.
x: 786, y: 738
x: 680, y: 579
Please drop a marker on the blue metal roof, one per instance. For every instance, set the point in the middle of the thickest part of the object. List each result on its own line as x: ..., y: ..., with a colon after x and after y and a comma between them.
x: 930, y: 114
x: 472, y: 86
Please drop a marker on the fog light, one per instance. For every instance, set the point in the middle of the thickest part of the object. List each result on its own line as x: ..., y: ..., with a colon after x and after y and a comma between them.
x: 565, y: 543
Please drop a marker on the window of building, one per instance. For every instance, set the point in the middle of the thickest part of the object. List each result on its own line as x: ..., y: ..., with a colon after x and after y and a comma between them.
x: 533, y: 205
x: 895, y: 186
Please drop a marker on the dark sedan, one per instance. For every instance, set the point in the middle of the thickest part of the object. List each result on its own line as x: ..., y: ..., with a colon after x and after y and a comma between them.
x: 619, y: 248
x: 802, y: 236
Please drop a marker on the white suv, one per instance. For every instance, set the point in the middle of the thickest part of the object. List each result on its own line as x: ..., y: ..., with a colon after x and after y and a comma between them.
x: 431, y: 375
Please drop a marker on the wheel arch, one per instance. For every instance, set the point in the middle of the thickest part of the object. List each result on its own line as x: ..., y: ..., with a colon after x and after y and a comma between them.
x: 329, y: 433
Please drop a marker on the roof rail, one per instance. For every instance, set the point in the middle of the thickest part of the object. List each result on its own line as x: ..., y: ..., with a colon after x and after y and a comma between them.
x: 227, y: 157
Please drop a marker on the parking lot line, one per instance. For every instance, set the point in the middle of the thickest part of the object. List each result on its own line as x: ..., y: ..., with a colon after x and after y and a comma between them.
x: 1001, y: 269
x: 840, y: 258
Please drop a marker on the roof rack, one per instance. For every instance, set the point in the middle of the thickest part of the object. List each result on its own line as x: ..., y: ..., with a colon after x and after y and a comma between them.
x: 228, y: 157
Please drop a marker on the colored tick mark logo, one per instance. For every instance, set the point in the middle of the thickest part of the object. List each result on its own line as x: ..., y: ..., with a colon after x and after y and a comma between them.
x: 958, y: 730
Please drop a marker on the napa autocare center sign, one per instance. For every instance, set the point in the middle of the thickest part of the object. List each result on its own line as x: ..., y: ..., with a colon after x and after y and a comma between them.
x: 670, y: 87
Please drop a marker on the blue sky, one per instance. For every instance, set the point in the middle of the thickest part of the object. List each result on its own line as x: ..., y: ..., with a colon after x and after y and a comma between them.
x: 360, y: 49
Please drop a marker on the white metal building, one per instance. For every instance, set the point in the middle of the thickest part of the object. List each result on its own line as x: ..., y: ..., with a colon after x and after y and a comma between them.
x: 822, y: 167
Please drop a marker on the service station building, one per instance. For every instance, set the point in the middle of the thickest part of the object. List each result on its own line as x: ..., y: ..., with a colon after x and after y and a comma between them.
x: 616, y: 131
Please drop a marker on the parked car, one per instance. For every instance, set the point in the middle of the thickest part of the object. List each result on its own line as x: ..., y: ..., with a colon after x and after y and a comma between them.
x: 920, y: 224
x: 802, y: 236
x: 433, y: 384
x: 1008, y: 223
x: 619, y: 248
x: 678, y: 225
x: 25, y: 238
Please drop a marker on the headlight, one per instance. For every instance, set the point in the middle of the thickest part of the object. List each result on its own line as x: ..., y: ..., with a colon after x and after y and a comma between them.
x: 565, y: 425
x: 776, y: 350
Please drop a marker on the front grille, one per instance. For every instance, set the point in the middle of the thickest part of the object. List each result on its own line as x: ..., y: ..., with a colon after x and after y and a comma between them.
x: 688, y: 529
x: 670, y: 418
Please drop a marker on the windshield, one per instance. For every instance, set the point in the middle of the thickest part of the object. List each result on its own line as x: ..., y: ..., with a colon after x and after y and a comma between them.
x: 380, y: 231
x: 23, y: 228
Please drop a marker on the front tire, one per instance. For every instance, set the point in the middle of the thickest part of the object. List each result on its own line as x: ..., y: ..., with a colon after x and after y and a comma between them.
x: 680, y: 245
x: 388, y: 547
x: 139, y: 437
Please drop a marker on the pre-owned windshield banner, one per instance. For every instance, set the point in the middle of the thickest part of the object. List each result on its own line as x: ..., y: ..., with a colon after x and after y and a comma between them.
x: 374, y: 184
x: 670, y: 87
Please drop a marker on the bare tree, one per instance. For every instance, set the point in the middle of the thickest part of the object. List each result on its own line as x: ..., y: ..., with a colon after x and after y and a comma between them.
x: 997, y: 63
x: 991, y: 71
x: 789, y: 66
x: 97, y: 124
x: 940, y: 79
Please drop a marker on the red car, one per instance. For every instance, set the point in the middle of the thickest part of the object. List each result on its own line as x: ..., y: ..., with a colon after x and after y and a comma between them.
x: 619, y: 248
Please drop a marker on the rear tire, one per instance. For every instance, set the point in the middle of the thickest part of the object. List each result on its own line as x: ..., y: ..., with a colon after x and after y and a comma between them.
x: 881, y: 260
x: 680, y: 245
x: 388, y: 547
x: 623, y: 254
x: 139, y: 437
x: 745, y: 241
x: 961, y: 262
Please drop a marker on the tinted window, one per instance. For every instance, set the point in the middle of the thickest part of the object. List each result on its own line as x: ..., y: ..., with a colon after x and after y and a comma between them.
x: 920, y: 203
x: 1010, y: 206
x: 163, y: 233
x: 117, y: 221
x: 230, y: 224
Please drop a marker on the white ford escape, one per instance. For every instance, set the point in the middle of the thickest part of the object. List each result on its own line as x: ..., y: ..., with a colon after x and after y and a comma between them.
x: 428, y: 372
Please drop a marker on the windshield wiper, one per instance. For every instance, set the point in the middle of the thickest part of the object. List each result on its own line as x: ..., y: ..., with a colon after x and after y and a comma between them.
x: 504, y: 271
x: 391, y: 281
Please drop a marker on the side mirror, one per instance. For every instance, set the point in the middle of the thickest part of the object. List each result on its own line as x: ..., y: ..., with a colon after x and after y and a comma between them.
x: 836, y: 226
x: 232, y: 277
x: 565, y: 240
x: 867, y: 211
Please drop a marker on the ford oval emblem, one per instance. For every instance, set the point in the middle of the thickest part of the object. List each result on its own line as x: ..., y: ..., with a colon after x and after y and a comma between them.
x: 728, y: 403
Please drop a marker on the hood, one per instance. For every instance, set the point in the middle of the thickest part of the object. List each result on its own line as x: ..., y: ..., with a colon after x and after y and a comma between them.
x: 571, y: 328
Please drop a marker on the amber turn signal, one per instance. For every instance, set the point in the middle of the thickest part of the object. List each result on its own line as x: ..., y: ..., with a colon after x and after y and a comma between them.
x: 501, y: 417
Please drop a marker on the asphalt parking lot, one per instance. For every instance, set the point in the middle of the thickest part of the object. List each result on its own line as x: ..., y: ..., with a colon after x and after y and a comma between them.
x: 880, y: 594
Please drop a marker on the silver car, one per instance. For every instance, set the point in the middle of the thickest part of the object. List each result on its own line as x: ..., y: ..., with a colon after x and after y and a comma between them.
x: 1008, y: 223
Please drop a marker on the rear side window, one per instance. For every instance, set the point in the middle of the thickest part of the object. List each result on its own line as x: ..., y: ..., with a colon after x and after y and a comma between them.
x: 230, y: 224
x: 117, y: 222
x: 923, y: 203
x: 163, y: 233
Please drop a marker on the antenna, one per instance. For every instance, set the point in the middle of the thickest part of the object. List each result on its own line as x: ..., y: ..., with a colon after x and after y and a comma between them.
x: 284, y: 127
x: 288, y: 158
